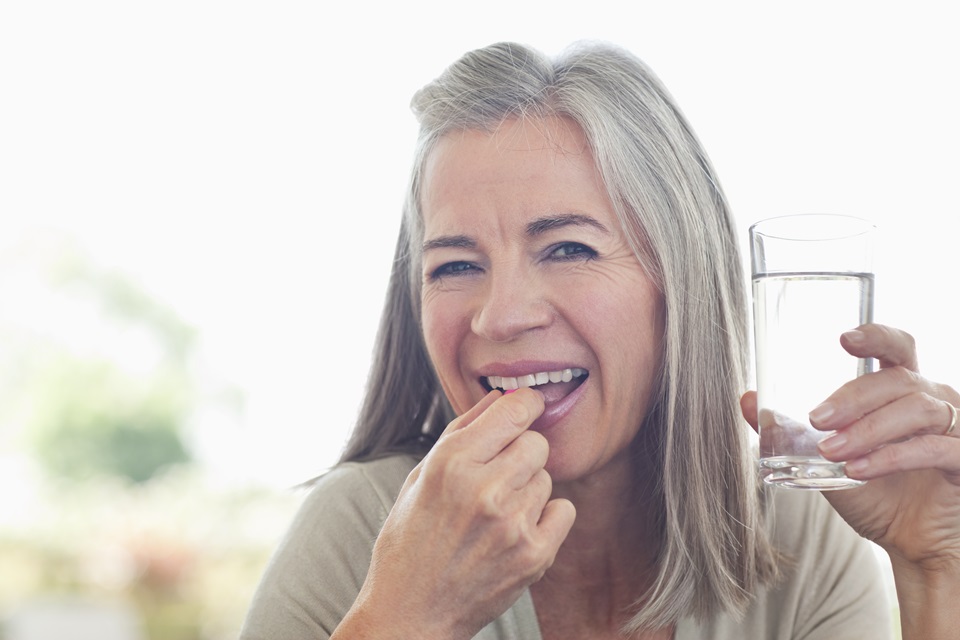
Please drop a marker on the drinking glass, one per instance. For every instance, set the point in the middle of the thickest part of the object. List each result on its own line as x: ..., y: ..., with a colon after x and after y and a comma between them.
x: 812, y: 280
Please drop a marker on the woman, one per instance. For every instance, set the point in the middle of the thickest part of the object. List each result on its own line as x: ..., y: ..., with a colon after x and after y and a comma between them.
x: 551, y: 444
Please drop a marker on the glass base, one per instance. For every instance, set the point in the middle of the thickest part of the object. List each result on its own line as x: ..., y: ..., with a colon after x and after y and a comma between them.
x: 797, y: 472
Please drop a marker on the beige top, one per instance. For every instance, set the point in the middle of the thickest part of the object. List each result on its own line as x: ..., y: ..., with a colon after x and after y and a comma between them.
x: 834, y: 590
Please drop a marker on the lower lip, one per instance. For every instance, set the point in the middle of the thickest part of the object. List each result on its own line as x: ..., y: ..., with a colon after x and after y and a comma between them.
x: 557, y: 411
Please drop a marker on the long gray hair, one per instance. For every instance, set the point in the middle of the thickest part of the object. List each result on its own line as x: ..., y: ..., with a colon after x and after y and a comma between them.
x: 713, y: 551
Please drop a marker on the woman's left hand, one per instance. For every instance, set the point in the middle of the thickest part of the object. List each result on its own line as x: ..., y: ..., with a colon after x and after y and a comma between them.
x: 891, y: 429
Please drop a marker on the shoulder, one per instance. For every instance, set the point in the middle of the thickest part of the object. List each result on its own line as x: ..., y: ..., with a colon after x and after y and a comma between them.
x: 374, y: 485
x: 814, y: 540
x: 345, y: 510
x: 831, y: 582
x: 317, y: 570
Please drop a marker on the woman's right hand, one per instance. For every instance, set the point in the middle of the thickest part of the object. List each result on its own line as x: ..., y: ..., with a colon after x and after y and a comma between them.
x: 473, y: 527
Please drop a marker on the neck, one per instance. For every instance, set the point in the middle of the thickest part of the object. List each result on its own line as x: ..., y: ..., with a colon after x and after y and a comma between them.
x: 606, y: 561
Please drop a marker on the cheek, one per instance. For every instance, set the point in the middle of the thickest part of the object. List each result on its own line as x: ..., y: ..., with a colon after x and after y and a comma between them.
x: 628, y: 327
x: 628, y: 315
x: 442, y: 335
x: 432, y: 323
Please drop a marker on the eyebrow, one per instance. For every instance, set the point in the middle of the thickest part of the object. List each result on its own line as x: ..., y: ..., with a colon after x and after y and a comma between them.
x: 548, y: 223
x: 444, y: 242
x: 535, y: 228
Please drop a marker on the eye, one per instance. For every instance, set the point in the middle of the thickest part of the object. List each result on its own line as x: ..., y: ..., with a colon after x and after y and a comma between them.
x: 457, y: 268
x: 571, y: 251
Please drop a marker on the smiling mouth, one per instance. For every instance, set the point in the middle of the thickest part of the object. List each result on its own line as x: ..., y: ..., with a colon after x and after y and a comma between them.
x: 553, y: 384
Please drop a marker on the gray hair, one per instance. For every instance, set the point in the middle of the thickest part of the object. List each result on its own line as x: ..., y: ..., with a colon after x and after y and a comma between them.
x: 713, y: 552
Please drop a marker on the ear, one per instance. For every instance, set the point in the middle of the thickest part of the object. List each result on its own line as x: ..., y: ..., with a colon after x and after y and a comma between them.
x: 748, y: 405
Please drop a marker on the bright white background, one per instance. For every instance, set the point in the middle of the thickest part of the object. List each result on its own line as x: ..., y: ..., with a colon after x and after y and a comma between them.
x: 245, y: 162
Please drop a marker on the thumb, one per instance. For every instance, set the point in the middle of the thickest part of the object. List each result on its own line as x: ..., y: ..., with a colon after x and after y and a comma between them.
x: 748, y: 406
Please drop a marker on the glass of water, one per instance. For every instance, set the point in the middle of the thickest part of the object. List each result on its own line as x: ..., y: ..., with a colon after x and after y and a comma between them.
x: 812, y: 280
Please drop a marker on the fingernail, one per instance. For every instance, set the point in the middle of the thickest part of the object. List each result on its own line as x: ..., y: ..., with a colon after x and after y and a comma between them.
x: 822, y: 413
x: 856, y: 336
x: 832, y: 443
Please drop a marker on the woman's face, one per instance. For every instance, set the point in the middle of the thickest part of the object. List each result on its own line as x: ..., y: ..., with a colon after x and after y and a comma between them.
x: 527, y: 277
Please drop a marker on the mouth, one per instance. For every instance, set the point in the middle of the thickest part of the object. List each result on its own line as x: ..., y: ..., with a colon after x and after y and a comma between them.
x: 554, y: 385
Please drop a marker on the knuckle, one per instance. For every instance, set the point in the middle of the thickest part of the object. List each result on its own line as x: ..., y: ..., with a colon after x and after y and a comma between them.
x: 489, y: 503
x: 892, y: 457
x: 543, y: 482
x: 930, y: 407
x: 447, y: 444
x: 903, y: 376
x: 447, y: 465
x: 530, y: 555
x: 946, y: 391
x: 905, y: 456
x: 442, y: 468
x: 515, y: 413
x: 534, y: 442
x: 910, y: 340
x: 930, y: 447
x: 868, y: 429
x: 519, y: 536
x: 894, y: 334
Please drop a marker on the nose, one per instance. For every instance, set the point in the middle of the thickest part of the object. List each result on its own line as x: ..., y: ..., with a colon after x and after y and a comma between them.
x: 511, y: 305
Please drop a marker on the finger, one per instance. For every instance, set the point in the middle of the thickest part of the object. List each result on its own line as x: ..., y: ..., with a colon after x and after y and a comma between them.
x: 913, y: 415
x: 748, y: 406
x: 539, y: 550
x: 471, y: 414
x: 455, y: 425
x: 541, y: 485
x: 502, y: 421
x: 536, y: 493
x: 922, y: 452
x: 498, y: 501
x: 554, y: 525
x: 522, y: 459
x: 892, y: 347
x: 866, y: 394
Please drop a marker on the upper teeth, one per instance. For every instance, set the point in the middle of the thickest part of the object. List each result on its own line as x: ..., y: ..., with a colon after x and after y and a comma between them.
x: 533, y: 379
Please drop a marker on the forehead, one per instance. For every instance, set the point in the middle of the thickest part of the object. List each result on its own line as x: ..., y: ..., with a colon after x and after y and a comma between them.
x: 528, y: 166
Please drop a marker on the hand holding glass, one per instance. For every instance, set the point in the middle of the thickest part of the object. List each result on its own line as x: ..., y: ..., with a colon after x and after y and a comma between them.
x: 812, y: 281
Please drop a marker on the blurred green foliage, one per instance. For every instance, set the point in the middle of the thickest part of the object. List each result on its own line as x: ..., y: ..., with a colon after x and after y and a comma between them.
x: 101, y: 386
x: 91, y: 413
x: 94, y: 419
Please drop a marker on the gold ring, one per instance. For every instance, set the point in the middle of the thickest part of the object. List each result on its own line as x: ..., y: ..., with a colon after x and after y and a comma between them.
x: 953, y: 419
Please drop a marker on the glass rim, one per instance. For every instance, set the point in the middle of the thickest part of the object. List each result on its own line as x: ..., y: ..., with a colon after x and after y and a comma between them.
x: 857, y: 226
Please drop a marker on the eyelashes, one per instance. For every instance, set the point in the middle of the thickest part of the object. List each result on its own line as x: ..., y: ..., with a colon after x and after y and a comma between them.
x: 560, y: 252
x: 567, y: 251
x: 454, y: 269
